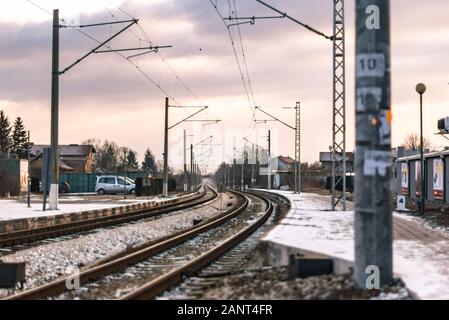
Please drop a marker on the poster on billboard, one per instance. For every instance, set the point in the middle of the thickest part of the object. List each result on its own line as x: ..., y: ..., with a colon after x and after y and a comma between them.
x: 404, y: 178
x: 438, y: 178
x: 418, y: 178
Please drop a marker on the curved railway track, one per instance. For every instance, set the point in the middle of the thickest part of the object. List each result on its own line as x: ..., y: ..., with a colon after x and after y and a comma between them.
x: 36, y: 234
x: 116, y: 268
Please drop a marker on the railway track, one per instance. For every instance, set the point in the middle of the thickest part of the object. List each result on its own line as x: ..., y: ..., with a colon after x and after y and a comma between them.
x: 36, y: 234
x: 162, y: 264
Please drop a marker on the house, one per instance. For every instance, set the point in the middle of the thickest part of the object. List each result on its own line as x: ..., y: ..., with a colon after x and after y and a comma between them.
x: 73, y: 158
x: 326, y: 162
x: 282, y: 170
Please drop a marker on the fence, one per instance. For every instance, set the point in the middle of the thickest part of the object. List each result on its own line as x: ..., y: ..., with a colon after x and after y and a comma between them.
x: 79, y: 182
x: 85, y: 182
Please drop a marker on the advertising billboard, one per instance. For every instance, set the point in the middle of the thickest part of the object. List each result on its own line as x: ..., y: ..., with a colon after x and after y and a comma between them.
x: 404, y: 178
x: 438, y: 179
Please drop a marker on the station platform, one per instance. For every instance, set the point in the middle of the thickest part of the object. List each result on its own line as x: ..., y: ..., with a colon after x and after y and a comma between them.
x: 421, y: 253
x: 15, y: 214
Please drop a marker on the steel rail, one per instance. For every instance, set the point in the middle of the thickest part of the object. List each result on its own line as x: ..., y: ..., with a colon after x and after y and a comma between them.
x: 36, y: 234
x: 164, y: 282
x: 123, y: 261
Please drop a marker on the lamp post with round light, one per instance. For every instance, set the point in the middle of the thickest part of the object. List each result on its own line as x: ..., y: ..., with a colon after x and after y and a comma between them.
x: 421, y: 89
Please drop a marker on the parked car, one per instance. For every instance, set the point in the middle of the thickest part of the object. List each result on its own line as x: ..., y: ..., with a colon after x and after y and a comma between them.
x: 114, y: 185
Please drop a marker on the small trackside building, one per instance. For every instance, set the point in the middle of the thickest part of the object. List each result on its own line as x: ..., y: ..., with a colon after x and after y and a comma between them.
x: 436, y: 172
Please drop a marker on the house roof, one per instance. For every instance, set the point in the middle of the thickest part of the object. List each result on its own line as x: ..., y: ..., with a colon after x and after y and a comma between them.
x: 66, y: 150
x: 287, y: 160
x: 62, y: 165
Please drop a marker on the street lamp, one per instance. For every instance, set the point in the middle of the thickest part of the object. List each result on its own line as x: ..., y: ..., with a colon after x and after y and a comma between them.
x: 421, y: 88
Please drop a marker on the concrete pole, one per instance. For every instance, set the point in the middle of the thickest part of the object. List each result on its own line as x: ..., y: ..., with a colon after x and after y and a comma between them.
x: 233, y: 173
x: 54, y: 157
x: 29, y: 172
x: 253, y: 159
x: 185, y: 162
x: 373, y: 172
x: 228, y: 180
x: 165, y: 180
x: 124, y: 174
x: 269, y: 161
x: 242, y: 180
x: 191, y: 168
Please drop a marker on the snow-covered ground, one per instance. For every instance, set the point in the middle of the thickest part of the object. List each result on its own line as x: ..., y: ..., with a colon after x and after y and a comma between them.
x: 16, y: 209
x: 421, y: 262
x: 53, y: 259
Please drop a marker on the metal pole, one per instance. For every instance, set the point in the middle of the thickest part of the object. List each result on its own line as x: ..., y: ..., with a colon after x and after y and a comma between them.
x: 269, y: 161
x: 297, y: 177
x: 339, y: 106
x: 191, y: 168
x: 228, y: 180
x: 185, y: 163
x: 423, y: 185
x: 253, y: 159
x: 29, y: 173
x: 54, y: 158
x: 233, y: 173
x: 242, y: 180
x: 124, y: 174
x: 165, y: 180
x: 373, y: 172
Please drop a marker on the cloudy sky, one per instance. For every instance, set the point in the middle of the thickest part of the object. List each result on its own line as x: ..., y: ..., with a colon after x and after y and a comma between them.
x: 106, y: 97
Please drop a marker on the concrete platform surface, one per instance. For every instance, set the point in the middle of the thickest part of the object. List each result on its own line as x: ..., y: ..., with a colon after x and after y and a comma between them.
x: 421, y: 254
x: 17, y: 209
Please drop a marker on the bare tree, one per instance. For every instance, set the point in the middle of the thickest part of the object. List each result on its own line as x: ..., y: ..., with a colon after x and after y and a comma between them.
x: 412, y: 142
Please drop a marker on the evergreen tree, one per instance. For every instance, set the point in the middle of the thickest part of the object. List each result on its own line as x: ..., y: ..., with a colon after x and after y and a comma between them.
x: 19, y: 139
x: 5, y: 130
x: 131, y: 159
x: 149, y: 163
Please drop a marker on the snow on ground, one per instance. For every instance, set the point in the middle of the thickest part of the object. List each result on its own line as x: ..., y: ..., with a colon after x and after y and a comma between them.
x: 422, y: 265
x: 51, y: 260
x: 17, y: 209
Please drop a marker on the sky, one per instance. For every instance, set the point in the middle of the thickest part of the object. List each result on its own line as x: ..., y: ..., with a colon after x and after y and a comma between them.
x: 105, y: 97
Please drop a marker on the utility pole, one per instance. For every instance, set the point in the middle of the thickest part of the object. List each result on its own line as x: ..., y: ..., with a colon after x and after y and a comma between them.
x: 228, y: 180
x: 373, y: 205
x: 167, y: 128
x: 242, y: 180
x: 269, y: 161
x: 253, y: 160
x: 165, y: 182
x: 234, y: 162
x: 124, y: 174
x: 54, y: 152
x: 54, y: 157
x: 185, y: 162
x: 339, y: 107
x: 29, y: 172
x: 191, y: 168
x: 298, y: 148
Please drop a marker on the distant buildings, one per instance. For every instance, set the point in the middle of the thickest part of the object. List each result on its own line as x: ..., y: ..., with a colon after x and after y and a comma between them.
x: 73, y: 158
x: 326, y: 162
x: 282, y: 169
